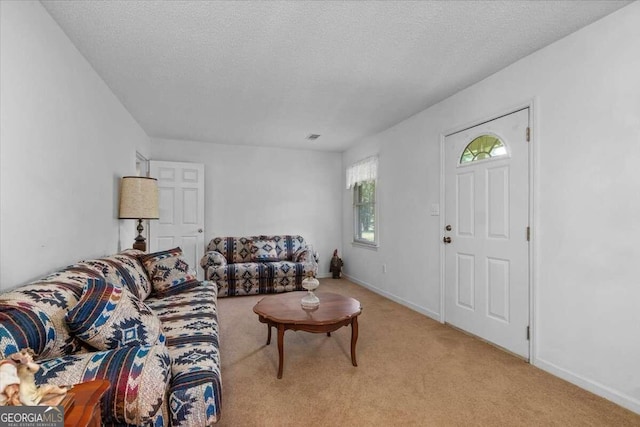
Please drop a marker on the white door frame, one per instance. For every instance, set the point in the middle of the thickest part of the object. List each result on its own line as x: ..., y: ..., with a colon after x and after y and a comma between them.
x: 533, y: 187
x: 143, y: 162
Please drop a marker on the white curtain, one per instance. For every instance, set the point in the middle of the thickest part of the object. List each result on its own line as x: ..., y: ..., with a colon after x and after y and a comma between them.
x: 362, y: 171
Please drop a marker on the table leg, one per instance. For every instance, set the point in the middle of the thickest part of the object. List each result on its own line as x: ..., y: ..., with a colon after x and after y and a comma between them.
x: 269, y: 334
x: 280, y: 348
x: 328, y: 334
x: 354, y: 338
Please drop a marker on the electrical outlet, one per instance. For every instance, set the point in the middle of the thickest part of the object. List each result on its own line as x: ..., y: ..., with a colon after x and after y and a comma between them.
x: 384, y: 268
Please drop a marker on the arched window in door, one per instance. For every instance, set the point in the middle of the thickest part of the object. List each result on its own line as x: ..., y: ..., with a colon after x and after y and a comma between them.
x: 483, y: 147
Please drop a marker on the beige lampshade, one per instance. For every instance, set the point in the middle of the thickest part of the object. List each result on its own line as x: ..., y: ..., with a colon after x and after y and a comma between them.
x: 138, y: 198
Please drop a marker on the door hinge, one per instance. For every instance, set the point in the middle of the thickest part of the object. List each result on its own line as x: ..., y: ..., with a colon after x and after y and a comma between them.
x: 528, y: 234
x: 528, y: 134
x: 528, y: 333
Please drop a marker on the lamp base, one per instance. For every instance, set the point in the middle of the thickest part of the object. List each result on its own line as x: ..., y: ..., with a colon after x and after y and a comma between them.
x: 141, y: 242
x: 310, y: 300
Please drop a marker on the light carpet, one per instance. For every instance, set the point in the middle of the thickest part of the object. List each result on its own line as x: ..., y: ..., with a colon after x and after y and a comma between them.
x: 412, y: 371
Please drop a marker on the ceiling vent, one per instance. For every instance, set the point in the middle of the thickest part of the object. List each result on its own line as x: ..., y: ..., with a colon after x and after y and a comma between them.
x: 313, y: 137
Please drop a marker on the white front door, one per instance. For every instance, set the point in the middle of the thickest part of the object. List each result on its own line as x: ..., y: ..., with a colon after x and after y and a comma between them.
x: 487, y: 219
x: 181, y: 202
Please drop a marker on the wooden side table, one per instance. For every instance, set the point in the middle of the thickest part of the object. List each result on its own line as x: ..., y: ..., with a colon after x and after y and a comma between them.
x: 85, y: 410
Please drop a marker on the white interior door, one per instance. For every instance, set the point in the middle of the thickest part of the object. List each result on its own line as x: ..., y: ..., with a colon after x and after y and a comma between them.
x: 181, y: 202
x: 487, y: 212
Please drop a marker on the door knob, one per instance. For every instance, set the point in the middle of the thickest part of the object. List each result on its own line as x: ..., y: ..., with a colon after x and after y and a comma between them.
x: 199, y: 230
x: 446, y: 239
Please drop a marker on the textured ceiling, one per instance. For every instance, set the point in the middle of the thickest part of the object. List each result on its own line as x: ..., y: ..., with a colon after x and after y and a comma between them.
x: 271, y: 73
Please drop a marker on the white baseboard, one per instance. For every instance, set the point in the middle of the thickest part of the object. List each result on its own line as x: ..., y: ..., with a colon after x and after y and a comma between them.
x: 412, y: 306
x: 594, y: 387
x: 323, y: 275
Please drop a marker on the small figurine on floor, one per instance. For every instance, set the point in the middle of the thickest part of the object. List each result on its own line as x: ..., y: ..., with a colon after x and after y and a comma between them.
x: 18, y: 385
x: 336, y: 265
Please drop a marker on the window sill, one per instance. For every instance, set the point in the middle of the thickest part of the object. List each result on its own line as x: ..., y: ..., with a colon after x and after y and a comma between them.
x: 370, y: 246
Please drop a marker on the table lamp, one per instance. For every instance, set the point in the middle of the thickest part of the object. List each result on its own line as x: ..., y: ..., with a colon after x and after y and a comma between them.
x: 139, y: 200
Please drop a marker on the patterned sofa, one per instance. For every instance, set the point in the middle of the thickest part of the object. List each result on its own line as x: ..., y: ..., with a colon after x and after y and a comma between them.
x: 141, y: 321
x: 258, y: 264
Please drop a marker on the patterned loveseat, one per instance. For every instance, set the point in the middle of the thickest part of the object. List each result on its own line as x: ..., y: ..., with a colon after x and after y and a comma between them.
x: 258, y: 264
x: 141, y: 321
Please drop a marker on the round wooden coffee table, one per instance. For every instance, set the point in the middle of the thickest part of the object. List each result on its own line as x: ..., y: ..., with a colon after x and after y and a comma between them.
x: 284, y: 311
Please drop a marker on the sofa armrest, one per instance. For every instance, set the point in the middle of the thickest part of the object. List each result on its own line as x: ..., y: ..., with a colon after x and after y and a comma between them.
x: 212, y: 258
x: 139, y: 378
x: 305, y: 254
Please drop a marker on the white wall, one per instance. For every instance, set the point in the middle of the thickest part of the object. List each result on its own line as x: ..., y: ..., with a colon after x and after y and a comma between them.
x: 586, y: 89
x: 257, y: 190
x: 65, y: 141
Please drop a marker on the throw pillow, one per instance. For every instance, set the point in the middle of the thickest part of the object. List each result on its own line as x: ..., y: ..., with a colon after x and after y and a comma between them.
x: 130, y: 259
x: 109, y: 316
x: 263, y: 251
x: 168, y: 270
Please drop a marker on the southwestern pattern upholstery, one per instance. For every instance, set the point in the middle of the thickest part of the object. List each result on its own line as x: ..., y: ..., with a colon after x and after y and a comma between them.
x: 258, y: 264
x: 168, y: 270
x: 190, y: 324
x: 109, y: 316
x: 139, y: 377
x: 263, y: 251
x: 172, y: 380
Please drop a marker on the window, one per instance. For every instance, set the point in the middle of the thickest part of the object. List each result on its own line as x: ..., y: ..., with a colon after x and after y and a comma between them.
x: 362, y: 177
x: 364, y: 212
x: 483, y: 147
